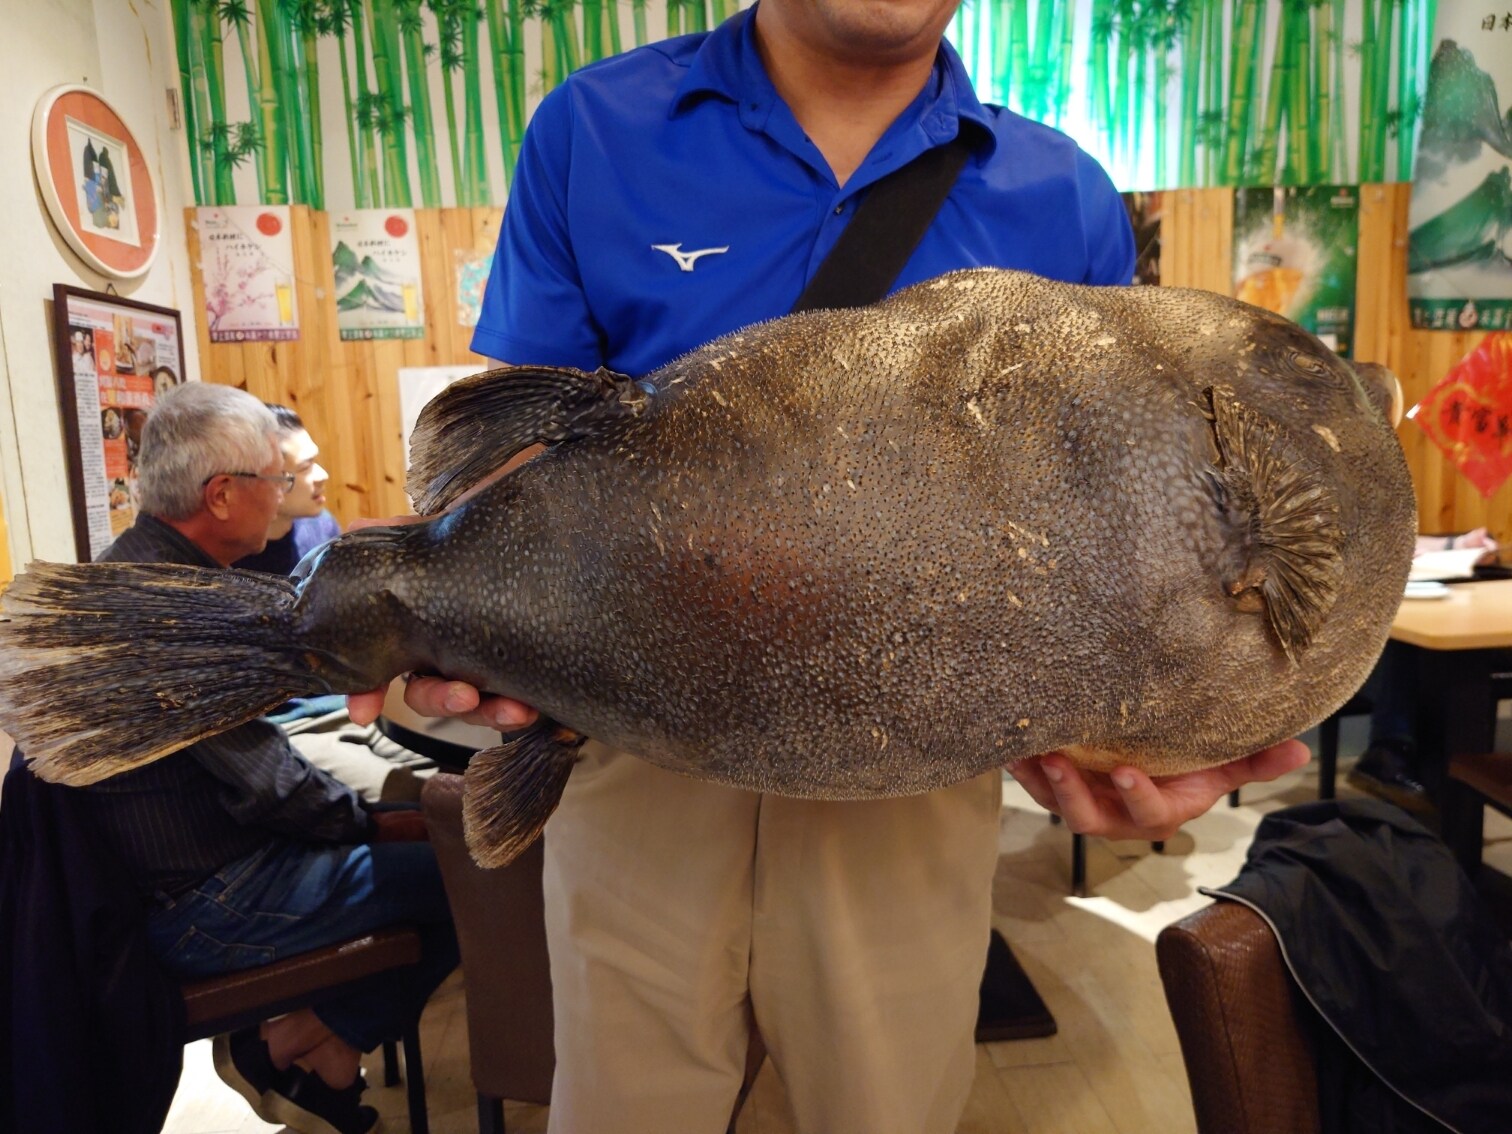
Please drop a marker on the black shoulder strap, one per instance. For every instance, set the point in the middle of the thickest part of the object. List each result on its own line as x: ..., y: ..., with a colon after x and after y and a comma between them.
x: 885, y: 230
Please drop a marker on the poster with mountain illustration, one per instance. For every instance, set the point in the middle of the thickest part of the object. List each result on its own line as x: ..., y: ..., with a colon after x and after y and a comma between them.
x: 376, y: 254
x: 1459, y: 253
x: 1295, y: 253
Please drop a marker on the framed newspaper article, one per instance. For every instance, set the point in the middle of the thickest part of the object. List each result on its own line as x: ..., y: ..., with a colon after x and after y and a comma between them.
x: 114, y: 357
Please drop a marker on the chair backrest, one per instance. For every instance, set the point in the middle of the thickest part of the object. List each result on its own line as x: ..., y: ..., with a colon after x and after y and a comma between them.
x: 1245, y: 1035
x: 501, y: 928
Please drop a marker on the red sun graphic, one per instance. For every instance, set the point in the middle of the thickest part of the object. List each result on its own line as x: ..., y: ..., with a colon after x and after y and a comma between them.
x: 268, y: 224
x: 396, y: 226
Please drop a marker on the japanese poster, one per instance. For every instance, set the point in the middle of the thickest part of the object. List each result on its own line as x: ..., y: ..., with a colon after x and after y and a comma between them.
x: 1459, y: 253
x: 1295, y: 252
x: 114, y: 357
x: 247, y: 263
x: 376, y: 255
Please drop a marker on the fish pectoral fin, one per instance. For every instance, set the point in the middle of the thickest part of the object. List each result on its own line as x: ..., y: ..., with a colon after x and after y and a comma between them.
x: 473, y: 426
x: 1287, y: 558
x: 510, y: 791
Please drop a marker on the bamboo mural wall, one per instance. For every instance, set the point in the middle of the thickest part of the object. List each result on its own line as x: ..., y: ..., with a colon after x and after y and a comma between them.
x: 428, y: 98
x: 391, y: 103
x: 1213, y: 92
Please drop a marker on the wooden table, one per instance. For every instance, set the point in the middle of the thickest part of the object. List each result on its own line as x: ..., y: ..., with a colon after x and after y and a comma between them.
x: 1462, y: 648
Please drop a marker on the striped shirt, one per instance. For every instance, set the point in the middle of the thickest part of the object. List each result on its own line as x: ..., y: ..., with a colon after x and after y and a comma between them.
x: 177, y: 821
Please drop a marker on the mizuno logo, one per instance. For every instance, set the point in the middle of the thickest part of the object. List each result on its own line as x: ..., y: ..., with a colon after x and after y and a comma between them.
x: 686, y: 260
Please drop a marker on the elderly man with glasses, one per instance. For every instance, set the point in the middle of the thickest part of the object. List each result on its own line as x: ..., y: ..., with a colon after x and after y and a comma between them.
x: 244, y: 852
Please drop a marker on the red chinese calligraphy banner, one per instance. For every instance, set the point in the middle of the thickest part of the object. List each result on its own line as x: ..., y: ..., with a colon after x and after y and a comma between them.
x: 1468, y: 414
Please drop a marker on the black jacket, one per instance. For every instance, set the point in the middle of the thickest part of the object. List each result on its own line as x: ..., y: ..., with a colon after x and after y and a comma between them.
x: 91, y: 1027
x: 1393, y: 948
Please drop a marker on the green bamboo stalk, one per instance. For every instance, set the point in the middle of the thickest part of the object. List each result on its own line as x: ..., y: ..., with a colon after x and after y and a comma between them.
x: 674, y: 18
x: 1381, y: 109
x: 1020, y: 53
x: 279, y: 99
x: 593, y: 30
x: 1406, y: 95
x: 206, y: 21
x: 309, y: 81
x: 1141, y: 88
x: 551, y: 58
x: 338, y: 20
x: 475, y: 158
x: 181, y: 41
x: 1368, y: 48
x: 612, y: 26
x: 1063, y: 62
x: 1278, y: 91
x: 293, y: 100
x: 1213, y: 106
x: 695, y: 16
x: 1162, y: 76
x: 516, y: 79
x: 1322, y: 57
x: 1299, y: 135
x: 1044, y: 31
x: 638, y: 19
x: 498, y: 50
x: 451, y: 62
x: 412, y: 43
x: 1192, y: 77
x: 567, y: 36
x: 387, y: 72
x: 1242, y: 76
x: 365, y: 109
x: 202, y: 146
x: 236, y: 13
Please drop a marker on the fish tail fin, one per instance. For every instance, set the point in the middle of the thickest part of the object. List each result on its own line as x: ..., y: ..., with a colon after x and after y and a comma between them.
x: 1288, y: 536
x: 510, y: 791
x: 105, y: 667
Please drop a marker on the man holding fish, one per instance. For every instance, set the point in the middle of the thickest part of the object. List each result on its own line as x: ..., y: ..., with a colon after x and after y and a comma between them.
x: 663, y: 198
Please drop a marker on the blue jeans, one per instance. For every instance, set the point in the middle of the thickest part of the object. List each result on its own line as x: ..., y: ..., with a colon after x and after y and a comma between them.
x: 291, y: 897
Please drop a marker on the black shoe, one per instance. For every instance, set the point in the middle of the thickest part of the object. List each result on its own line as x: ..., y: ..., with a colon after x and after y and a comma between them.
x: 1385, y: 770
x: 304, y: 1103
x: 243, y: 1063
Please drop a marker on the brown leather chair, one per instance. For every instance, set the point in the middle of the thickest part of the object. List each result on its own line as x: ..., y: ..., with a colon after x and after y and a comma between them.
x: 1245, y: 1037
x: 501, y: 928
x: 241, y: 999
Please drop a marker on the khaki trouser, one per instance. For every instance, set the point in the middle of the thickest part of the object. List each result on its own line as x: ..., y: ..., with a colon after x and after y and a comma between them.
x: 855, y: 932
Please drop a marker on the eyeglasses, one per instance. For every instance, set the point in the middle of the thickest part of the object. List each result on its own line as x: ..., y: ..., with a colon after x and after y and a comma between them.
x: 284, y: 480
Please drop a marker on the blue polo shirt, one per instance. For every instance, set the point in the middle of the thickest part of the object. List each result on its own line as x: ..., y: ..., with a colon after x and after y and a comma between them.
x: 686, y: 145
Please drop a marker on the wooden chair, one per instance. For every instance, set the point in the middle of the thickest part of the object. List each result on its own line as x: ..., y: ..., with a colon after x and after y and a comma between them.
x: 1245, y: 1038
x: 241, y: 999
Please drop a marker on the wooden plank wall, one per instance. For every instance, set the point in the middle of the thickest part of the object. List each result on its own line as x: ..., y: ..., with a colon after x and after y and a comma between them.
x: 348, y: 393
x: 1196, y: 243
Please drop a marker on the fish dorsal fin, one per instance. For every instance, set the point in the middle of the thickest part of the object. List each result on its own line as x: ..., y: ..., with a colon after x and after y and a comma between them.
x: 475, y: 425
x: 1287, y: 536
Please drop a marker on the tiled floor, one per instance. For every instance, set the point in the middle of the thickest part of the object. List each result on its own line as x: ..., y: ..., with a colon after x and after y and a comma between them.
x: 1113, y: 1068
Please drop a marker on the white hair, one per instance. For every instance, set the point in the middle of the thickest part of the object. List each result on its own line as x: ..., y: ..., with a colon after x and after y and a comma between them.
x: 193, y: 432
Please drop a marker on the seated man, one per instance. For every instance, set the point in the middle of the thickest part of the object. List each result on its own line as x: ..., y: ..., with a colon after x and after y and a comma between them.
x: 360, y: 756
x: 244, y: 851
x: 302, y: 522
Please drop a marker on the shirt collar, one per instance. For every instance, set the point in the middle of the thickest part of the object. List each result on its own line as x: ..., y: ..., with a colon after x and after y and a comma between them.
x: 727, y: 65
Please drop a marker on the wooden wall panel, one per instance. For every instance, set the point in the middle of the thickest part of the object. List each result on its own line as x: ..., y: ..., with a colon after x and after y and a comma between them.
x: 348, y: 392
x: 1196, y: 238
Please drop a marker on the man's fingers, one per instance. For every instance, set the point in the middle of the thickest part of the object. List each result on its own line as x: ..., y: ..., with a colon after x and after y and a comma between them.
x: 364, y: 708
x: 1267, y: 764
x: 1150, y: 811
x: 1031, y: 777
x: 438, y: 697
x: 1074, y: 800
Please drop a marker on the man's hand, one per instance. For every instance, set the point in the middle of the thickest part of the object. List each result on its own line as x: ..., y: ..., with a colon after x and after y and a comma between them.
x: 1127, y: 804
x: 438, y: 697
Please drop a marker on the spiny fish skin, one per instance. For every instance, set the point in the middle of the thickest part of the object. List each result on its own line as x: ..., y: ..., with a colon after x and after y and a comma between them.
x: 864, y: 553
